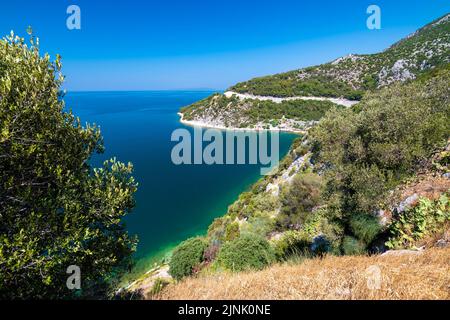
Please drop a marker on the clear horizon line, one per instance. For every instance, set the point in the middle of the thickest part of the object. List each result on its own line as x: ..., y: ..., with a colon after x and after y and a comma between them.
x: 146, y: 90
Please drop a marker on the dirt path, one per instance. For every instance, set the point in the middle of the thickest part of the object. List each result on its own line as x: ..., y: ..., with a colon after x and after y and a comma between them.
x: 242, y: 96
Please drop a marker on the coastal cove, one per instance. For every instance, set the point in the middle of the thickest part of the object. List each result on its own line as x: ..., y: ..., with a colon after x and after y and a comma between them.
x: 173, y: 202
x: 318, y: 169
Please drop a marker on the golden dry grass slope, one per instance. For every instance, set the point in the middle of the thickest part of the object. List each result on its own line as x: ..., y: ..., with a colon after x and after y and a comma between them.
x: 421, y: 275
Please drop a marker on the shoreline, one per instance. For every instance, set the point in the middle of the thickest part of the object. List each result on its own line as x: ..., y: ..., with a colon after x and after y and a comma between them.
x: 195, y: 123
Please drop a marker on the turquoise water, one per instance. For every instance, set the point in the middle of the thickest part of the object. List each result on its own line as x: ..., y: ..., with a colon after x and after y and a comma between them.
x: 173, y: 202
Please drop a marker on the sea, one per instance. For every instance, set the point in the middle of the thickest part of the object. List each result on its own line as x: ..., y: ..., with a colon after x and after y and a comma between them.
x: 173, y: 202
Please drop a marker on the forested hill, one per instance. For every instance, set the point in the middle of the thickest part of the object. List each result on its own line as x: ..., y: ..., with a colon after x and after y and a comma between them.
x: 295, y: 100
x: 351, y: 75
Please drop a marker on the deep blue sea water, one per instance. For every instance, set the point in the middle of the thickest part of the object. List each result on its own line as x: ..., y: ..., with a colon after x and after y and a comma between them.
x: 173, y: 202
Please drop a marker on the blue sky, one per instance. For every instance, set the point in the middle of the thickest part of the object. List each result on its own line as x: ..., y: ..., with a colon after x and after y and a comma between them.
x: 173, y: 44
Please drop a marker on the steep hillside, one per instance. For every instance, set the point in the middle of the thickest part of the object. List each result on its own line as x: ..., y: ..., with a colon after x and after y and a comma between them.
x: 366, y: 178
x: 346, y: 78
x: 349, y: 164
x: 349, y: 76
x: 363, y: 180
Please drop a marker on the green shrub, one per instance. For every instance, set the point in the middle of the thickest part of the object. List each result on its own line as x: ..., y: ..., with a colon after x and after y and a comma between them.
x: 56, y: 209
x: 236, y: 208
x: 292, y: 243
x: 322, y: 223
x: 232, y: 231
x: 186, y: 256
x: 289, y: 84
x: 365, y: 227
x: 263, y: 202
x: 259, y: 223
x: 246, y: 252
x: 414, y: 224
x: 352, y: 246
x: 223, y: 229
x: 301, y: 150
x: 442, y: 163
x: 365, y: 154
x: 319, y: 234
x: 260, y: 185
x: 299, y: 198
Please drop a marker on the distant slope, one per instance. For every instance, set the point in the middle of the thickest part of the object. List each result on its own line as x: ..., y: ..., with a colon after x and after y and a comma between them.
x: 366, y: 178
x: 347, y: 77
x: 220, y: 111
x: 408, y: 275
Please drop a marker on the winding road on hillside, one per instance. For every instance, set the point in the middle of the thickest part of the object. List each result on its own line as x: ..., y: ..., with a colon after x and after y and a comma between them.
x: 243, y: 96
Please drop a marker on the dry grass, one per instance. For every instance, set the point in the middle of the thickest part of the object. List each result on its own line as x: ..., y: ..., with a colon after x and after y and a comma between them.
x: 424, y: 275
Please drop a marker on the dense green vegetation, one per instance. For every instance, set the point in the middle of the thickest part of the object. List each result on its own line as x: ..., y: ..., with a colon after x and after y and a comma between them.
x: 351, y: 76
x: 369, y: 151
x: 353, y: 158
x: 55, y: 209
x: 289, y: 85
x: 264, y: 111
x: 299, y: 199
x: 246, y: 252
x: 365, y: 227
x: 428, y: 217
x: 238, y: 114
x: 187, y: 256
